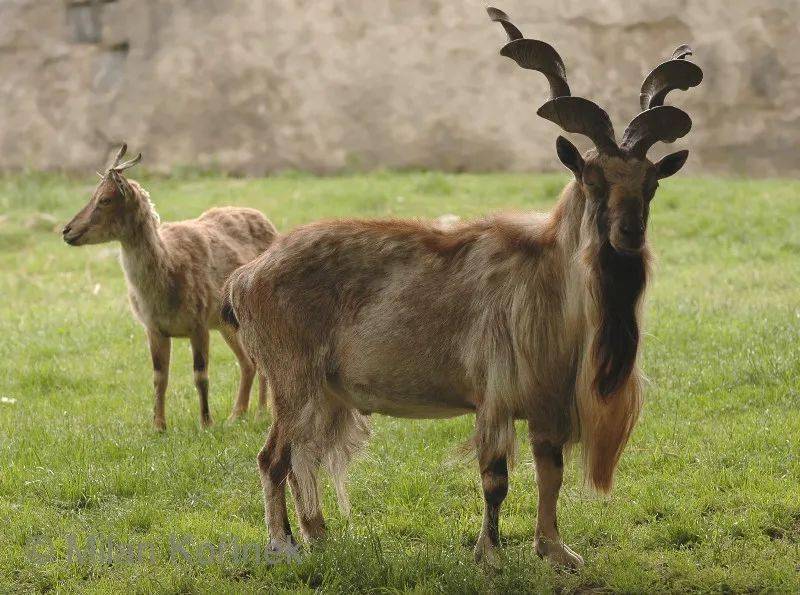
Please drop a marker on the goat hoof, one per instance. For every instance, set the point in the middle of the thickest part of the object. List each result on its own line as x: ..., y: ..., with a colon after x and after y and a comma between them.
x: 557, y: 553
x: 485, y: 553
x: 159, y: 424
x: 284, y: 549
x: 235, y: 416
x: 206, y: 423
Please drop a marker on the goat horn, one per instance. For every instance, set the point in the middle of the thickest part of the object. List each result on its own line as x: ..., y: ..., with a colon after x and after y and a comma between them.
x: 573, y: 114
x: 676, y: 73
x: 128, y: 164
x: 533, y: 54
x: 120, y: 154
x: 579, y: 115
x: 664, y: 123
x: 682, y: 52
x: 498, y: 16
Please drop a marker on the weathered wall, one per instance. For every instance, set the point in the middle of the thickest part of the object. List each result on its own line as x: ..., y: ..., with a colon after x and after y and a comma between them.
x: 262, y: 85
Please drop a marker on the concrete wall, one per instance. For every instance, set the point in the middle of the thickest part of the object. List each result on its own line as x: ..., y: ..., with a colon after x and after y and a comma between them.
x: 255, y: 86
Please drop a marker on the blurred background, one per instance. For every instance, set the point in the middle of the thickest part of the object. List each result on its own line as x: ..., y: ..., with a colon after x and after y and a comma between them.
x: 259, y: 86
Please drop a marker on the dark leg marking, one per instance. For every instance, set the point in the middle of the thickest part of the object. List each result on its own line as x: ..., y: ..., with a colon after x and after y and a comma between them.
x: 550, y: 451
x: 199, y: 362
x: 202, y: 386
x: 274, y: 461
x: 494, y: 477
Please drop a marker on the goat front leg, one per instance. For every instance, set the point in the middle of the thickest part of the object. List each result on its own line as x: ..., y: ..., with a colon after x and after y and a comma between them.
x: 160, y: 347
x: 199, y: 340
x: 549, y: 474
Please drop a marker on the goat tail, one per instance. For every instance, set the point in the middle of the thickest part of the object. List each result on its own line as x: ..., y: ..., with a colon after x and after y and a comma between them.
x: 605, y: 426
x: 227, y: 312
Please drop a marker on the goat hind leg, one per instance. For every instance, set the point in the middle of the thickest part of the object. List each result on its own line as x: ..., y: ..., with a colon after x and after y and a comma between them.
x: 263, y: 392
x: 274, y: 464
x: 494, y: 447
x: 247, y: 371
x: 494, y: 478
x: 303, y: 481
x: 337, y: 434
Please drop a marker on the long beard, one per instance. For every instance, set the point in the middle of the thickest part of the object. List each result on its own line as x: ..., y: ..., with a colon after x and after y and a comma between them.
x: 621, y: 280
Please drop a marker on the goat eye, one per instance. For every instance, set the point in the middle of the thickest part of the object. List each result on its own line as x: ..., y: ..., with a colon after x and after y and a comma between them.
x: 595, y: 181
x: 597, y: 187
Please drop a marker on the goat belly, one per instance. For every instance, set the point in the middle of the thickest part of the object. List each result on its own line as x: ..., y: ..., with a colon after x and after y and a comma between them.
x: 413, y: 399
x: 395, y: 373
x: 410, y: 406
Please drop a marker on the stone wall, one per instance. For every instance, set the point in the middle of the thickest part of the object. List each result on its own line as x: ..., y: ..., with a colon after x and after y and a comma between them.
x: 254, y: 86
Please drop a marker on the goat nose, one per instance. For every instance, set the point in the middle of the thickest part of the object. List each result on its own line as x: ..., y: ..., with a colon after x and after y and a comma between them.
x: 631, y: 229
x: 66, y: 229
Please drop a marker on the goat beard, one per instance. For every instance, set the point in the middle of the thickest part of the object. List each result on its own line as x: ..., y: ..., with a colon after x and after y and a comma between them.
x: 620, y: 280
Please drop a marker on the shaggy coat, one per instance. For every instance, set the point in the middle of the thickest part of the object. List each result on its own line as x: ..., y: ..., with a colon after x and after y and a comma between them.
x: 531, y: 317
x: 512, y: 317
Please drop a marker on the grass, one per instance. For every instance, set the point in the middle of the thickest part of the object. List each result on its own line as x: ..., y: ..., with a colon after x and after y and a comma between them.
x: 708, y: 492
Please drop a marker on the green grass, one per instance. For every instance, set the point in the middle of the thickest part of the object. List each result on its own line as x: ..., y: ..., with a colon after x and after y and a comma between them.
x: 707, y: 495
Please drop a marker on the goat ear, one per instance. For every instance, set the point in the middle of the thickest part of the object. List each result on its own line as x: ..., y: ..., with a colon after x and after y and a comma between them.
x: 569, y: 156
x: 671, y: 164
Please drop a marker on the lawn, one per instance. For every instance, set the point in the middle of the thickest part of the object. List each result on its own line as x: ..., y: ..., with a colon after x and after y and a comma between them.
x: 708, y: 491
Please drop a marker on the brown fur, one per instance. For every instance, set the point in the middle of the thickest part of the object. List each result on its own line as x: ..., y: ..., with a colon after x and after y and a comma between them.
x: 174, y: 272
x: 530, y: 317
